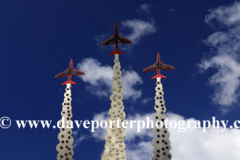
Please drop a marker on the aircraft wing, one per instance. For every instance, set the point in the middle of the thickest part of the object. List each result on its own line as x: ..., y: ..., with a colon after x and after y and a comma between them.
x: 62, y: 74
x: 108, y: 41
x: 150, y: 68
x: 166, y: 67
x: 124, y: 40
x: 77, y: 72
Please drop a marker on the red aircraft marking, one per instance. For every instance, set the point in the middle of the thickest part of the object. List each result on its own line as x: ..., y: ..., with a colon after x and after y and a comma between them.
x: 115, y: 39
x: 158, y: 66
x: 69, y: 72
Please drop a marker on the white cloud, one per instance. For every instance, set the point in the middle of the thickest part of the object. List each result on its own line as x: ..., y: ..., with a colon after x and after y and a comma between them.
x: 139, y: 29
x: 191, y: 144
x: 77, y: 141
x: 198, y: 145
x: 144, y: 8
x: 226, y: 56
x: 100, y: 38
x: 130, y: 79
x: 139, y: 151
x: 100, y: 133
x: 226, y: 80
x: 100, y: 79
x: 172, y: 10
x: 227, y: 15
x: 146, y: 100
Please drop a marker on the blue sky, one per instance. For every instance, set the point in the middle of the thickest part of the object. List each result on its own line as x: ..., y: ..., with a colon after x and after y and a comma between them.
x: 200, y: 39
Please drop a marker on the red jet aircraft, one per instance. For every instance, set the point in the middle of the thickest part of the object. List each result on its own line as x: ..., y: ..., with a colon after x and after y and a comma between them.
x: 69, y: 72
x: 115, y: 39
x: 158, y: 66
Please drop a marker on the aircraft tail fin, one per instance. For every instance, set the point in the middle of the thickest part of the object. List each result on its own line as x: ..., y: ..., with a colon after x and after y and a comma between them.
x: 69, y: 81
x: 116, y: 52
x: 158, y: 76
